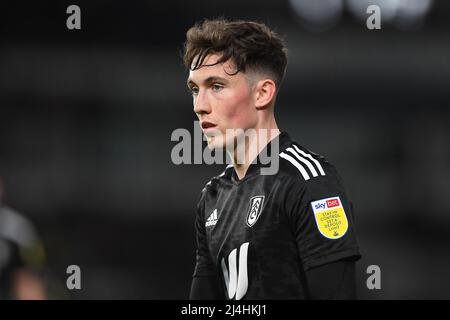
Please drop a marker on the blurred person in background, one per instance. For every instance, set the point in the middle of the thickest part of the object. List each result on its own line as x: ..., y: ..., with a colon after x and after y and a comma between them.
x: 22, y: 256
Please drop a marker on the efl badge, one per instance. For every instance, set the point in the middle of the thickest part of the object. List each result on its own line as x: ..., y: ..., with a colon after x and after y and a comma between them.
x: 330, y: 217
x: 254, y: 212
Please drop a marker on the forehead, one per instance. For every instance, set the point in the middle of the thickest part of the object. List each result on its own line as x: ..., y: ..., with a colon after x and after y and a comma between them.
x: 209, y: 68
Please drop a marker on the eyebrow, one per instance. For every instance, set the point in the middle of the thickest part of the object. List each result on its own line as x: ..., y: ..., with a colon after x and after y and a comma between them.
x: 207, y: 81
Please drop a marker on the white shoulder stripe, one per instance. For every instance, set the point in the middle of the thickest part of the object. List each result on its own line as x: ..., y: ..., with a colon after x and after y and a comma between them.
x: 296, y: 164
x: 317, y: 163
x: 220, y: 175
x: 308, y: 164
x: 224, y: 171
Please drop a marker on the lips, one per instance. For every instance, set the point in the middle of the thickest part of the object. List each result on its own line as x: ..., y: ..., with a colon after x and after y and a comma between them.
x: 207, y: 125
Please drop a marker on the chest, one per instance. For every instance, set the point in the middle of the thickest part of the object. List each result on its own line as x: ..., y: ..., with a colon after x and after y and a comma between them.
x: 250, y: 213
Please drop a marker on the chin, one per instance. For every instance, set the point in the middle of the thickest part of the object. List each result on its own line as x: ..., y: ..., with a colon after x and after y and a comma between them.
x: 215, y: 142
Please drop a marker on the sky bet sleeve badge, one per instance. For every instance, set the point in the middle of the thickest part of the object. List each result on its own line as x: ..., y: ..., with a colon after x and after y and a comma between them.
x: 330, y: 217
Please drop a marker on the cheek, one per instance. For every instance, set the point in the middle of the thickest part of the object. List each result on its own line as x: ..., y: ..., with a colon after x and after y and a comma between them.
x: 238, y: 111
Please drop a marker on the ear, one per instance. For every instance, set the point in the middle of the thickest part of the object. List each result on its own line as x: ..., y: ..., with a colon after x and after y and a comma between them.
x: 264, y: 93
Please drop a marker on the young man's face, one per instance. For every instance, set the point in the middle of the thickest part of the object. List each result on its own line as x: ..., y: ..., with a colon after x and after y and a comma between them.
x: 221, y: 101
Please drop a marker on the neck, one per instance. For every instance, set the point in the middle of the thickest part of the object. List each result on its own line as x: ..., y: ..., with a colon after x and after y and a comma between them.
x: 246, y: 149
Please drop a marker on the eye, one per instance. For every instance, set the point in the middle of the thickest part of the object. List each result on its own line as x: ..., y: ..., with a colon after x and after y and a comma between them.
x: 193, y: 90
x: 217, y: 87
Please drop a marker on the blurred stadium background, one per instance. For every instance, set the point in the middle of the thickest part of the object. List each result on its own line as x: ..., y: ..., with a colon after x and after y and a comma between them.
x: 86, y: 118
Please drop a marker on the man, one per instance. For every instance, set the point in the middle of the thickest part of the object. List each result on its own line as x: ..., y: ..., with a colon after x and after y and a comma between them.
x: 285, y: 235
x: 21, y: 256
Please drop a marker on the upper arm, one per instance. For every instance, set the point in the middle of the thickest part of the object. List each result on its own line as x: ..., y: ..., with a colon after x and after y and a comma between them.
x: 205, y: 279
x: 204, y: 265
x: 322, y: 220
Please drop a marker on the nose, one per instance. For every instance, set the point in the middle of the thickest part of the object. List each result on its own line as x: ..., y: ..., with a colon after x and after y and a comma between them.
x: 201, y: 103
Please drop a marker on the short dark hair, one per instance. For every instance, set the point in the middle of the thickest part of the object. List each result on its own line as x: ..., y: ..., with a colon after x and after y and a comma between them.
x: 250, y: 45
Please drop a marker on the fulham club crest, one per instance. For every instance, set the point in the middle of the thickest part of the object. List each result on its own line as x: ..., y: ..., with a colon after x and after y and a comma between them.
x: 256, y: 204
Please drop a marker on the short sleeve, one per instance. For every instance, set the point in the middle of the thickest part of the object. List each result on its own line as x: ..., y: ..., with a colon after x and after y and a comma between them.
x: 322, y: 220
x: 204, y: 267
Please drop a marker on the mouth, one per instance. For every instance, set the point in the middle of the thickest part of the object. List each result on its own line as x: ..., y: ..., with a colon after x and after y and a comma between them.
x: 206, y: 125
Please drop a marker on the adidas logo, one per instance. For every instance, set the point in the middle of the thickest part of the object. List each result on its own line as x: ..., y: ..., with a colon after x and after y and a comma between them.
x: 212, y: 219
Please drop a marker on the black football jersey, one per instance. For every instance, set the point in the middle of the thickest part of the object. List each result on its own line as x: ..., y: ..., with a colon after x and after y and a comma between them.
x: 262, y: 233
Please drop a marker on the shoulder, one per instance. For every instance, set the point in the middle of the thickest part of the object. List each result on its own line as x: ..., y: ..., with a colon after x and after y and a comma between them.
x: 211, y: 188
x: 305, y: 169
x: 213, y: 184
x: 16, y: 228
x: 308, y: 177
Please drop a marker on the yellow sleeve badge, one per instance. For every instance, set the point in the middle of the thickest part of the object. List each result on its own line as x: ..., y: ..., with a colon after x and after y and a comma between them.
x: 330, y: 217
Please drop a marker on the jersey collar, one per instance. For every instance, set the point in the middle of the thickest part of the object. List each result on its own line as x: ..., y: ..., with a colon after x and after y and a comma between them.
x: 283, y: 139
